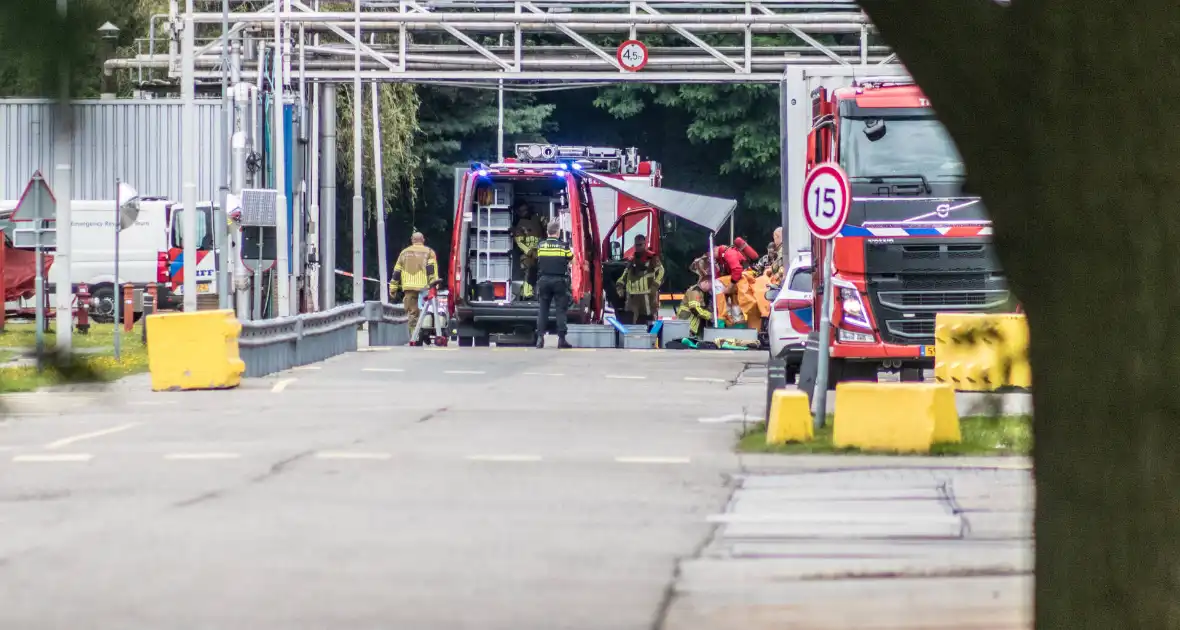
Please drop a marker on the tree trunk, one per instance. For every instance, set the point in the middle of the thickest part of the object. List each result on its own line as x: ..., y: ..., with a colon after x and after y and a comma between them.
x: 1066, y: 114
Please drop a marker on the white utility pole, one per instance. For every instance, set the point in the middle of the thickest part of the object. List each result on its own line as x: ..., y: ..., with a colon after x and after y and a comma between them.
x: 188, y: 159
x: 241, y: 276
x: 379, y: 201
x: 282, y: 266
x: 358, y: 211
x: 500, y: 116
x: 63, y: 180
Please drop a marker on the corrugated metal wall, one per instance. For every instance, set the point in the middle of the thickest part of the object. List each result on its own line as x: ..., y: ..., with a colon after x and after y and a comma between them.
x: 135, y: 140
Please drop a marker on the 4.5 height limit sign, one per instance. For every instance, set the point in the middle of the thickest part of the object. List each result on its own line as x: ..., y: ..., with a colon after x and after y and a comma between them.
x: 826, y: 198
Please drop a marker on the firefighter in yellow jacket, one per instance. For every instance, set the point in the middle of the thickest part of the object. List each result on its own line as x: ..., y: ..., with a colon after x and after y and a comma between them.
x: 527, y: 236
x: 640, y: 283
x: 416, y: 269
x: 694, y: 308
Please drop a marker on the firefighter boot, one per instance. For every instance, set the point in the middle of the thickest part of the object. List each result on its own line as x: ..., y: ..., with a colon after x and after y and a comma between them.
x: 540, y: 340
x: 562, y: 343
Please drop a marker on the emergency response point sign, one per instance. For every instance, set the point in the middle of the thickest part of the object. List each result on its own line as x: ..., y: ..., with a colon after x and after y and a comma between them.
x: 826, y: 198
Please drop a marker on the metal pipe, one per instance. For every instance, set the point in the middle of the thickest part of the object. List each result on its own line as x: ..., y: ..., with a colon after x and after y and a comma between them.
x: 224, y: 266
x: 188, y: 161
x: 358, y: 215
x: 709, y: 19
x: 314, y: 252
x: 242, y: 100
x: 500, y: 114
x: 278, y: 133
x: 597, y: 27
x: 327, y: 227
x: 379, y: 199
x: 713, y: 279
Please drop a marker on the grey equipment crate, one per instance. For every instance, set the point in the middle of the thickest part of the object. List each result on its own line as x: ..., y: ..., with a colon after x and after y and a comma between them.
x: 495, y: 243
x: 590, y: 335
x: 639, y: 341
x: 630, y: 328
x: 493, y: 269
x: 672, y: 330
x: 491, y: 218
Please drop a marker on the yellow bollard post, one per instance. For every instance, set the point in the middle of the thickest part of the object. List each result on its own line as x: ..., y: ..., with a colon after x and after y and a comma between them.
x: 789, y: 419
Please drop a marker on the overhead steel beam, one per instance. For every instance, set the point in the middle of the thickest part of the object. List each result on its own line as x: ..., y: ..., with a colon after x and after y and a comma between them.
x: 585, y: 43
x: 700, y: 43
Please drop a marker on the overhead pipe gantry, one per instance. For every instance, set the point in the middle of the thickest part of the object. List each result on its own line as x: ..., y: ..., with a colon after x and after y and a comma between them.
x: 488, y: 43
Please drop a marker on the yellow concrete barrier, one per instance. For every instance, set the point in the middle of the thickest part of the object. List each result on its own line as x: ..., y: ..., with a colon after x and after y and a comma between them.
x: 906, y: 417
x: 194, y: 350
x: 981, y: 352
x: 789, y: 419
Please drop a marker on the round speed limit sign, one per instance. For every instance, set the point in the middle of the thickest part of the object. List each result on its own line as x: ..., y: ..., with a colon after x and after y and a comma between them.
x: 632, y: 55
x: 826, y: 197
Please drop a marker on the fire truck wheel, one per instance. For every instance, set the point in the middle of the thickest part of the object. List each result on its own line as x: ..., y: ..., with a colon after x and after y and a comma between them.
x: 103, y: 298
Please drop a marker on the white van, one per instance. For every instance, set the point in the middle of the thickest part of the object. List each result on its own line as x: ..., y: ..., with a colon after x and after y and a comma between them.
x: 144, y: 248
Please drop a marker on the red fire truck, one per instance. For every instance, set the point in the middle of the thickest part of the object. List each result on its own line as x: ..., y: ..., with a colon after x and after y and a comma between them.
x: 485, y: 277
x: 915, y: 244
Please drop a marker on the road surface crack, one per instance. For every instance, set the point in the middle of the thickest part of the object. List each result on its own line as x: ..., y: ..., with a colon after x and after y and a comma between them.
x: 275, y: 470
x: 432, y: 414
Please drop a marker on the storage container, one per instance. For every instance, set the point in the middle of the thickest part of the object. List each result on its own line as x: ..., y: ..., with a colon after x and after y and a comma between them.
x: 672, y: 330
x: 493, y: 269
x: 639, y: 341
x: 491, y: 242
x: 630, y: 328
x: 494, y: 218
x: 590, y: 335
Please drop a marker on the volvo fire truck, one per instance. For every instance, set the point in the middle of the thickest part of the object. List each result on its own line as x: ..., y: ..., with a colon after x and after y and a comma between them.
x: 485, y: 275
x: 915, y: 244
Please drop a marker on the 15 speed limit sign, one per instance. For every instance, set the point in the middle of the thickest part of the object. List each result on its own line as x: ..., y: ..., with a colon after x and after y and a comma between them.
x: 826, y: 196
x: 632, y: 55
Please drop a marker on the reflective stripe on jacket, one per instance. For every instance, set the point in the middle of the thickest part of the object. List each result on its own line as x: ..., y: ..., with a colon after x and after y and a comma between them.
x: 693, y: 309
x: 553, y: 257
x: 416, y: 268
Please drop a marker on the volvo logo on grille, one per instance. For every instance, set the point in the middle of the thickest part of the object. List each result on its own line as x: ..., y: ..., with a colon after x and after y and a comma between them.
x: 943, y: 210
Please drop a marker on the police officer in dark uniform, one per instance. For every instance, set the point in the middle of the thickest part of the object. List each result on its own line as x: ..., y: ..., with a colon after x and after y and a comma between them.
x: 553, y: 283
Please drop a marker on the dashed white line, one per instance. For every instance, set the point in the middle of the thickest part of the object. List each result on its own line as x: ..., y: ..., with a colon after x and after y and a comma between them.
x: 374, y: 349
x: 202, y: 456
x: 57, y: 457
x: 464, y: 372
x: 351, y: 455
x: 704, y: 379
x: 151, y: 403
x: 306, y: 368
x: 282, y: 384
x: 733, y: 417
x: 382, y: 370
x: 86, y: 436
x: 628, y: 377
x: 542, y: 374
x: 652, y: 460
x: 504, y: 458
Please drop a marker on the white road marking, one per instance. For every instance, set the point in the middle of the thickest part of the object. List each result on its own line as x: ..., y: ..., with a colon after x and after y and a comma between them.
x: 504, y: 458
x: 733, y: 417
x: 382, y: 370
x: 351, y: 455
x: 652, y: 460
x: 626, y: 377
x: 543, y: 374
x: 374, y: 349
x: 202, y: 456
x: 704, y: 379
x: 59, y: 457
x: 282, y: 384
x: 86, y: 436
x: 464, y: 372
x: 151, y: 403
x: 303, y: 368
x: 509, y: 348
x: 580, y: 350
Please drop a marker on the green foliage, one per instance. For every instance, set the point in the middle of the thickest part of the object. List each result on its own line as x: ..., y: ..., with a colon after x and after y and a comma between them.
x: 35, y: 43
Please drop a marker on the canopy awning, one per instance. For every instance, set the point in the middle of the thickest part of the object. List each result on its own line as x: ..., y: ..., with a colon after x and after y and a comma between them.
x: 708, y: 212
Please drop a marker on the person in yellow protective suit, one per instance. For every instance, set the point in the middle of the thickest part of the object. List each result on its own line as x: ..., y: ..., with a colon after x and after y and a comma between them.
x: 640, y: 283
x: 527, y: 235
x: 693, y: 307
x: 416, y: 269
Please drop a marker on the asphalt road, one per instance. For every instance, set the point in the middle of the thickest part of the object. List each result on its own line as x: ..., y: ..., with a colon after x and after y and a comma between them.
x: 409, y: 488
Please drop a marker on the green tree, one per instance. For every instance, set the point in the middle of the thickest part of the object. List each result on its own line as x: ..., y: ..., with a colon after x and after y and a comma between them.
x: 1065, y: 115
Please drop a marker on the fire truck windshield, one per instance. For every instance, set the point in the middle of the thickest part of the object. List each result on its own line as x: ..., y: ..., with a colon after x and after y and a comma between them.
x: 909, y: 146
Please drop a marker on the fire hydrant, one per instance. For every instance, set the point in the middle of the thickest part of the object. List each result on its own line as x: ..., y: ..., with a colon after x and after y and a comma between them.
x: 83, y: 309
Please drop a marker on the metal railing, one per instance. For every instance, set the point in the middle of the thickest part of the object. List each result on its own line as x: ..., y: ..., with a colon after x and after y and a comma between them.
x: 274, y: 345
x: 388, y: 324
